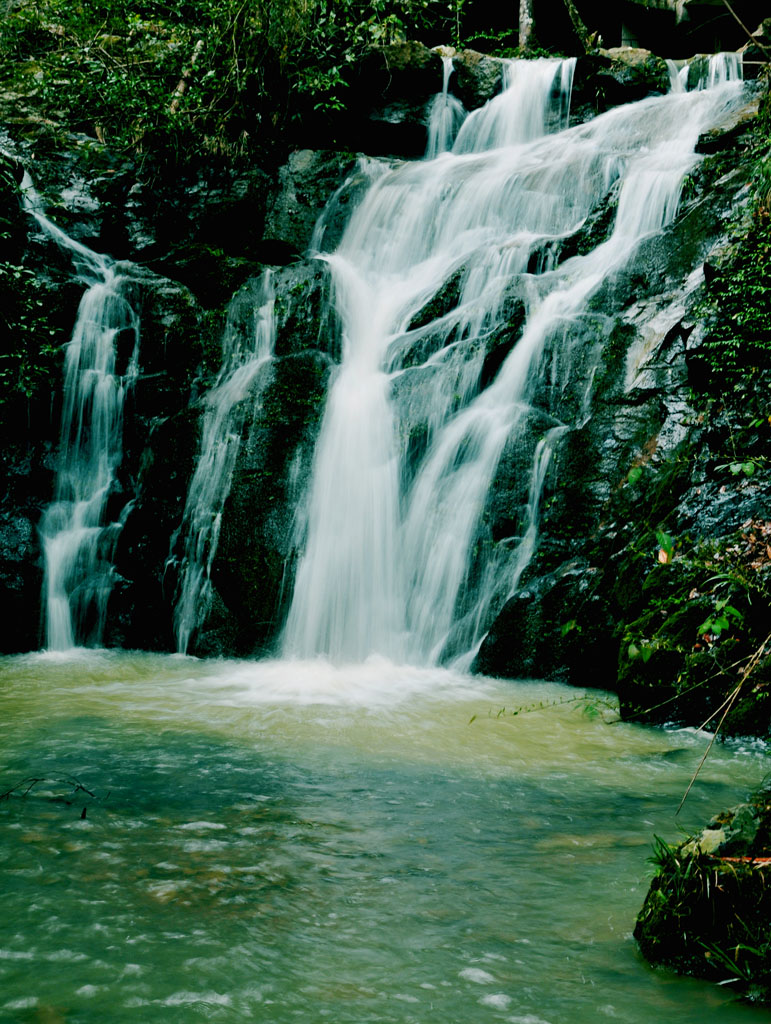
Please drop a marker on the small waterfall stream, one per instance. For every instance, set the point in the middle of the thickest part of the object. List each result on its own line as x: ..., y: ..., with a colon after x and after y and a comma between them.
x: 78, y: 531
x: 396, y: 560
x: 445, y: 116
x: 247, y: 354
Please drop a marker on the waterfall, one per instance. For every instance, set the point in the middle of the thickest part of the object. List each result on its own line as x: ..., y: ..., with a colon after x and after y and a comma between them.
x: 445, y: 116
x: 77, y: 530
x: 534, y: 101
x: 722, y: 68
x: 704, y: 72
x: 434, y: 263
x: 247, y: 355
x: 678, y: 76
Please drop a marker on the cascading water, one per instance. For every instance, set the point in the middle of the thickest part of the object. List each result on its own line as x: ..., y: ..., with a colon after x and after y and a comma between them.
x: 720, y: 69
x: 78, y: 536
x: 678, y: 76
x: 704, y: 72
x: 247, y: 354
x: 396, y: 559
x: 446, y: 115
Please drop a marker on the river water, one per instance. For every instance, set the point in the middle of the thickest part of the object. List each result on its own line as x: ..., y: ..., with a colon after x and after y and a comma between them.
x: 282, y: 841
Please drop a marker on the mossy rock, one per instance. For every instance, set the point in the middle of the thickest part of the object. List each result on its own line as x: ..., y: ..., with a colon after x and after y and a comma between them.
x: 708, y: 909
x: 302, y: 315
x: 477, y: 77
x: 556, y: 627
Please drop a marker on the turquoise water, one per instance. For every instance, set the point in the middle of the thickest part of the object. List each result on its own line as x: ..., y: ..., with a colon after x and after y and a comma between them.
x: 274, y: 842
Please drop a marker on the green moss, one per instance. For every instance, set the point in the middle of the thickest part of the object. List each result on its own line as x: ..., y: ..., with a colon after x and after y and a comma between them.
x: 735, y: 359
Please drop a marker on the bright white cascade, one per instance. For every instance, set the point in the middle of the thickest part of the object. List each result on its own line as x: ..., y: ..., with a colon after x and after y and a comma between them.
x: 704, y: 72
x: 78, y: 533
x: 247, y: 356
x: 445, y: 116
x: 397, y: 560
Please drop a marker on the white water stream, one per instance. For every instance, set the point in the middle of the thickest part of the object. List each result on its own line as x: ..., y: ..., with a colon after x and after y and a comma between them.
x: 77, y: 530
x: 247, y: 355
x: 446, y: 115
x: 391, y: 561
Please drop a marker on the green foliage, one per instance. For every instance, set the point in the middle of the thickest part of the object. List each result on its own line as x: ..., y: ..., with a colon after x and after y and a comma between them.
x: 747, y: 468
x: 708, y: 915
x: 666, y: 546
x: 735, y: 359
x: 721, y: 619
x: 737, y: 350
x: 30, y: 343
x: 698, y: 628
x: 227, y: 74
x: 591, y: 705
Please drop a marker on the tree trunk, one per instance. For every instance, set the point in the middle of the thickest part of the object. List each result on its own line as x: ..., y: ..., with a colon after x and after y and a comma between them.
x: 526, y: 24
x: 587, y: 40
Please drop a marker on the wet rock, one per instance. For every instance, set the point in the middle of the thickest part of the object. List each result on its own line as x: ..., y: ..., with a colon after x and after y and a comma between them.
x: 305, y: 184
x: 177, y: 340
x: 443, y: 302
x: 269, y: 479
x: 21, y: 579
x: 637, y: 69
x: 179, y: 345
x: 161, y: 460
x: 608, y: 78
x: 734, y: 131
x: 638, y: 454
x: 556, y: 627
x: 742, y: 831
x: 302, y: 315
x: 477, y: 78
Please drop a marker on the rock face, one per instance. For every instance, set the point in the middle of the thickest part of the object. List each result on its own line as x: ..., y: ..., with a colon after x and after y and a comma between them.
x: 187, y: 244
x: 306, y: 183
x: 644, y: 455
x: 477, y: 78
x: 607, y: 78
